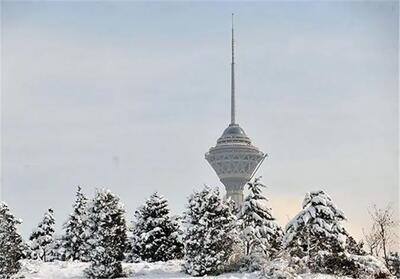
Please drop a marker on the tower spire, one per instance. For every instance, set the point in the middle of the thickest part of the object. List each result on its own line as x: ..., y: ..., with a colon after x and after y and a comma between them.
x: 233, y: 78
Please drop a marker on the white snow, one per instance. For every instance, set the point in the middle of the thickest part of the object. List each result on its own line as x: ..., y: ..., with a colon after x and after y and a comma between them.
x: 172, y: 269
x: 31, y: 269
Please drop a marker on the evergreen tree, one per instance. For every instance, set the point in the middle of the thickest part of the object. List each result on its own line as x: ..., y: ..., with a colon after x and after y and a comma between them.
x: 394, y: 263
x: 56, y: 249
x: 107, y: 236
x: 155, y: 233
x: 11, y: 243
x: 353, y: 247
x: 41, y: 239
x: 316, y: 228
x: 75, y: 238
x: 210, y: 235
x: 260, y: 232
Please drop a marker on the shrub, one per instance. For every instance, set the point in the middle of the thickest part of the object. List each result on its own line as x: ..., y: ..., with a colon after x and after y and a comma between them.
x: 279, y: 268
x: 344, y: 264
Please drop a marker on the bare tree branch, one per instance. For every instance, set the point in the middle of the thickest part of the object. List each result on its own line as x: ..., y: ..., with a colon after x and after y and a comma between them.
x: 381, y: 235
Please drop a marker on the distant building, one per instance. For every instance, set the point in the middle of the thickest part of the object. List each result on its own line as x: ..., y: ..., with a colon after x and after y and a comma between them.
x: 234, y: 158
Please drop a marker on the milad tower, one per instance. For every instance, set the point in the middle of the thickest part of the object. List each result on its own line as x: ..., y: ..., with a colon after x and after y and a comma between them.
x: 234, y: 158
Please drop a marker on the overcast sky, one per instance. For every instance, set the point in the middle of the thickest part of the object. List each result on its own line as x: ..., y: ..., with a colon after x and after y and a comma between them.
x: 129, y: 96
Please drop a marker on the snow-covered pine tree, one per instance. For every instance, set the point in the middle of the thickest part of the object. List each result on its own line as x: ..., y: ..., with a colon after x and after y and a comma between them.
x: 155, y: 235
x: 11, y: 243
x: 316, y: 228
x: 353, y: 247
x: 41, y: 239
x: 107, y: 235
x: 56, y: 249
x: 394, y: 263
x: 75, y: 237
x: 211, y: 233
x: 260, y: 232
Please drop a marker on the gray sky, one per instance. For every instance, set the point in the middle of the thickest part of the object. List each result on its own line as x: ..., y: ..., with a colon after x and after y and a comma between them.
x: 129, y: 96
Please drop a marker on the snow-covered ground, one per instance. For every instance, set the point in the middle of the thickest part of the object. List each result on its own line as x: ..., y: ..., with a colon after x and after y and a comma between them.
x: 172, y: 269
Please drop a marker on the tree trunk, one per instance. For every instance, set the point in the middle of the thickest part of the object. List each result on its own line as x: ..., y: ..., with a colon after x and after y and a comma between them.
x: 383, y: 234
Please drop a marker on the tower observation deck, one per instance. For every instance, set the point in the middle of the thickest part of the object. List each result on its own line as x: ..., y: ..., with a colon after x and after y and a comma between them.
x: 234, y: 158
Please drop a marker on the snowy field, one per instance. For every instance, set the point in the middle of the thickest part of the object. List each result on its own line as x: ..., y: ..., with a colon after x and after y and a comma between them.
x: 172, y: 269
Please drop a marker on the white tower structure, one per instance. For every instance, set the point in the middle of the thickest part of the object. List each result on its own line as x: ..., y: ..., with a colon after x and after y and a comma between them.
x: 234, y: 158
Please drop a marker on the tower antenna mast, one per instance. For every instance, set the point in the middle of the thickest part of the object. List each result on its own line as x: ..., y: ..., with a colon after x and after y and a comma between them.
x: 233, y: 120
